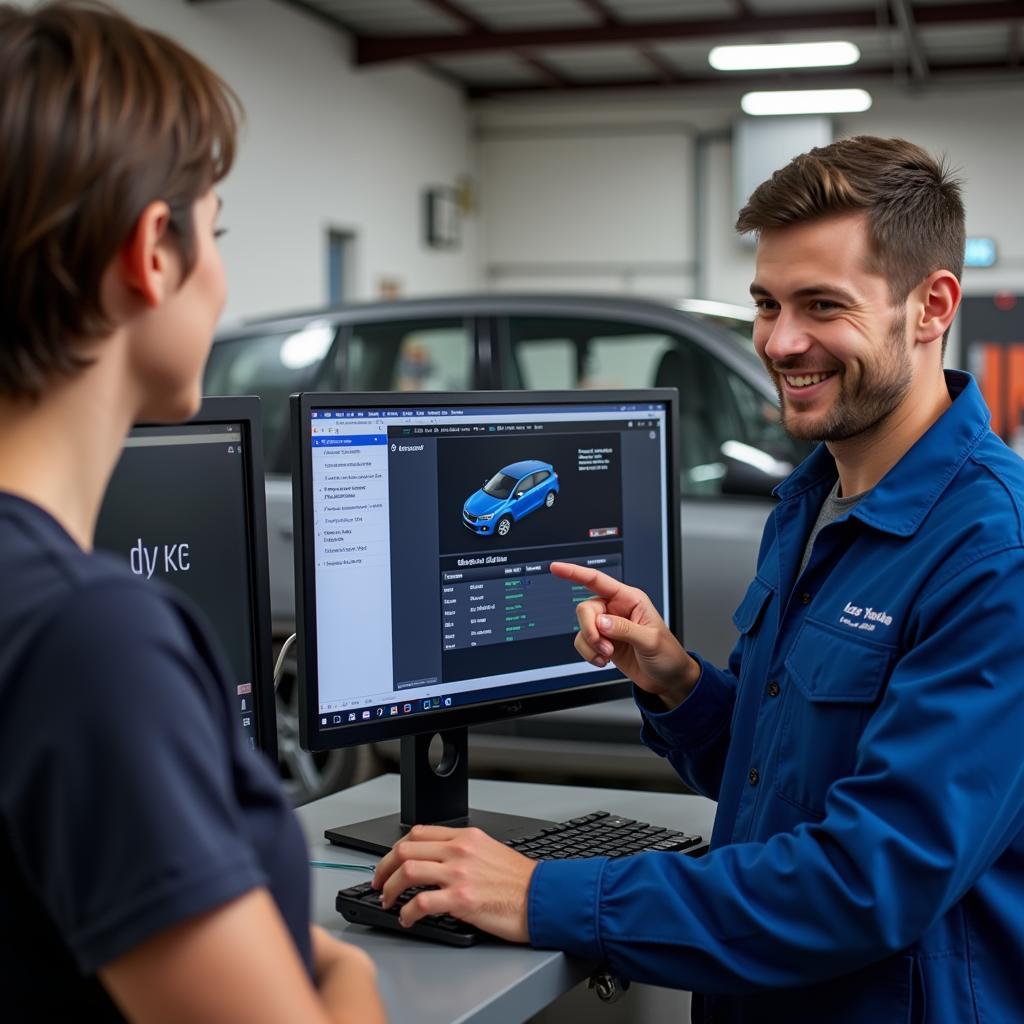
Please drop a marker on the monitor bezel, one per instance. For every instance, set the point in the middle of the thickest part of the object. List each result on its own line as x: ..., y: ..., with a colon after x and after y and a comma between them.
x: 246, y: 410
x: 356, y: 733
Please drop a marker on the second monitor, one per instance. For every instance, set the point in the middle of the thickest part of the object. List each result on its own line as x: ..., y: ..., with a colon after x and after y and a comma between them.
x: 427, y: 526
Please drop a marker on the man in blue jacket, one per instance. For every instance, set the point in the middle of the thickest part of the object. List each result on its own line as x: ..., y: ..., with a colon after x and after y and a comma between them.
x: 865, y: 742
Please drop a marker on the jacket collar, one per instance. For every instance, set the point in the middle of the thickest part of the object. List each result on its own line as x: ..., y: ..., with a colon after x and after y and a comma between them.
x: 899, y: 502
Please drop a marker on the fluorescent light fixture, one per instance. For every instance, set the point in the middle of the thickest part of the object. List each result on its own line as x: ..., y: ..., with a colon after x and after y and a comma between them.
x: 806, y: 101
x: 783, y: 55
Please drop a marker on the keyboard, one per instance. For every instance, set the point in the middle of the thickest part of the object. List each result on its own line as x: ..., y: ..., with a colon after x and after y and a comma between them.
x: 600, y: 834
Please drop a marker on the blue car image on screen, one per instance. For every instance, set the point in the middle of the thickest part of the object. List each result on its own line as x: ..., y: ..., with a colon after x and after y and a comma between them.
x: 512, y: 493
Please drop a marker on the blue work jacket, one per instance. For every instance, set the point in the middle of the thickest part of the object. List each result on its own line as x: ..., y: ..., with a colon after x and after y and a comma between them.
x: 866, y: 749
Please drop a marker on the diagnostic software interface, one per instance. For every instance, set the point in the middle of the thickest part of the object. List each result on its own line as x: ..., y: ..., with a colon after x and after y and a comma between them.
x: 434, y: 530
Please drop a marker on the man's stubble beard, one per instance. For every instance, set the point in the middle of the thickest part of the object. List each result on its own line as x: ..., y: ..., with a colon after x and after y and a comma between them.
x: 882, y: 388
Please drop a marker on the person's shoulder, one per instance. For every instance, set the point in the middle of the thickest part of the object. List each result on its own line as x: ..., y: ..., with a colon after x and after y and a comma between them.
x: 991, y: 486
x: 110, y: 610
x: 63, y: 591
x: 38, y: 556
x: 976, y: 524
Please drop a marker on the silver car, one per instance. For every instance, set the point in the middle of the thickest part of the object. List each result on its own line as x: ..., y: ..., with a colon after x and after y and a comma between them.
x: 732, y: 448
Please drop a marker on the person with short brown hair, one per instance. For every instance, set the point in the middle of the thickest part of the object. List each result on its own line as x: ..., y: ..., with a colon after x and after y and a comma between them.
x: 152, y: 870
x: 912, y: 204
x: 863, y: 744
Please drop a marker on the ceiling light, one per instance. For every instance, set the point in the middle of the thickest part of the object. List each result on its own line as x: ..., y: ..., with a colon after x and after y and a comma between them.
x: 807, y: 101
x: 783, y: 55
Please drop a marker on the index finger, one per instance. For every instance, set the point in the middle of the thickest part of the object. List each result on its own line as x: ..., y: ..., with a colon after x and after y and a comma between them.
x: 596, y: 582
x: 419, y: 835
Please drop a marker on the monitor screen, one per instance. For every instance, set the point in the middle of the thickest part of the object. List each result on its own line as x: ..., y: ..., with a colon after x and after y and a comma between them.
x: 185, y: 505
x: 428, y: 526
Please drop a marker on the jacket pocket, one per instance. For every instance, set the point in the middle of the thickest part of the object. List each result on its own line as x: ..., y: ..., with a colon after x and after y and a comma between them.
x: 836, y: 682
x: 747, y: 616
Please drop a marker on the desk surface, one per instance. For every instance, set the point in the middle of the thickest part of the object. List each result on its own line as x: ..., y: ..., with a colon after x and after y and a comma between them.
x: 491, y: 983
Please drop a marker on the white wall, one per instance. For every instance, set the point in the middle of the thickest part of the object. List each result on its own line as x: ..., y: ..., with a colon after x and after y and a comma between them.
x: 608, y: 184
x: 325, y: 145
x: 981, y: 131
x: 977, y: 128
x: 592, y: 207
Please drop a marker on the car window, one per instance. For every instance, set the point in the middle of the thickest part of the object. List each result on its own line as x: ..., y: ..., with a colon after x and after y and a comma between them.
x: 547, y: 363
x: 529, y: 482
x: 625, y: 360
x: 500, y: 485
x: 411, y: 355
x: 540, y: 477
x: 272, y: 366
x: 731, y: 440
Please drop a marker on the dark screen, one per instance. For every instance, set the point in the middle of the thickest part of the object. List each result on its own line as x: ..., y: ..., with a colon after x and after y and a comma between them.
x: 177, y: 510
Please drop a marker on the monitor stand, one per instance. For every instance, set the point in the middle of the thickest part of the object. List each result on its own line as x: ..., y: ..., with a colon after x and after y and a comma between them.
x: 437, y: 796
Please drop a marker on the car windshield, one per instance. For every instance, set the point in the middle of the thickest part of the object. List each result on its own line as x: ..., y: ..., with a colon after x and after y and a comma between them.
x: 500, y: 485
x: 272, y: 365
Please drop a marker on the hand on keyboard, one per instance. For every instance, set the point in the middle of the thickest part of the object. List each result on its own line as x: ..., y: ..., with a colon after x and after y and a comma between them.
x: 462, y: 872
x: 477, y: 879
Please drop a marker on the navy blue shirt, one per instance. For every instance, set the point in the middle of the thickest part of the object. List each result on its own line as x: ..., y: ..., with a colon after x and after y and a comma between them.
x: 129, y: 800
x: 865, y: 749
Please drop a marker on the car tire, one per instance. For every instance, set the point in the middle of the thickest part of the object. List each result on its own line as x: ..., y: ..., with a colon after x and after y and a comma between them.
x: 306, y: 776
x: 549, y: 499
x: 504, y: 526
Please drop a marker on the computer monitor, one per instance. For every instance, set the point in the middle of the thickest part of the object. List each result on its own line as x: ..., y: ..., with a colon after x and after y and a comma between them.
x: 186, y: 505
x: 425, y: 527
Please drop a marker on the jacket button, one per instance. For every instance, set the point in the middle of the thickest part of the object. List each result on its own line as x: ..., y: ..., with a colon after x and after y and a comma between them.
x: 805, y: 598
x: 754, y: 776
x: 773, y: 689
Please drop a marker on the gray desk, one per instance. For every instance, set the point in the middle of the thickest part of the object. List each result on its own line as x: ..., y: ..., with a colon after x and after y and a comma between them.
x: 424, y: 983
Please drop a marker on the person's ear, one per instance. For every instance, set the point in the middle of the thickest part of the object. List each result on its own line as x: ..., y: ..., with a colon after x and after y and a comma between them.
x: 939, y: 295
x: 148, y: 258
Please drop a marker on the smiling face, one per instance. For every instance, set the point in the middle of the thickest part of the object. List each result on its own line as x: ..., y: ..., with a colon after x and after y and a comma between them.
x: 835, y: 347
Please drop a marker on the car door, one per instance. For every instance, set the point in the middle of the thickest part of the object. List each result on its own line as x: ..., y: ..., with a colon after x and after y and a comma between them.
x: 542, y: 485
x: 731, y: 443
x: 530, y: 499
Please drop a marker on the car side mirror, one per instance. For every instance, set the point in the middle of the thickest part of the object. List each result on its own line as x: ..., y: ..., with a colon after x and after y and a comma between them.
x: 741, y: 479
x: 750, y: 471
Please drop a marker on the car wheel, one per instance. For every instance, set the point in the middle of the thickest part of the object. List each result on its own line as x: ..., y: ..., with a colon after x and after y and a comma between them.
x: 504, y: 525
x: 549, y: 499
x: 306, y: 776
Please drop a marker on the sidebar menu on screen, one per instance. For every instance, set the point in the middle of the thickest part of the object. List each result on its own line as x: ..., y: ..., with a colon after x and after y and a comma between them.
x: 352, y: 545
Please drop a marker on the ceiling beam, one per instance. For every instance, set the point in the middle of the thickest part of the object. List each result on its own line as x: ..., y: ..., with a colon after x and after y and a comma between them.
x: 545, y: 70
x: 470, y: 23
x: 377, y: 49
x: 668, y: 74
x: 664, y: 70
x: 604, y: 16
x: 812, y: 78
x: 912, y: 44
x: 550, y: 76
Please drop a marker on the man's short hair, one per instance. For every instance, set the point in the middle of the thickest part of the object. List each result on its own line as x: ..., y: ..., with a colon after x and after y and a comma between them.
x: 915, y: 212
x: 99, y: 117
